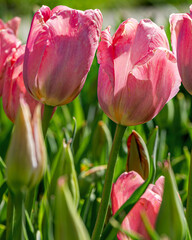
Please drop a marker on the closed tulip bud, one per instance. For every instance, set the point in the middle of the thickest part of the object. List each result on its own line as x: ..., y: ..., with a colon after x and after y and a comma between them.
x: 8, y: 44
x: 138, y: 156
x: 68, y: 224
x: 26, y: 156
x: 181, y: 40
x: 138, y: 73
x: 60, y: 49
x: 171, y: 219
x: 14, y: 87
x: 148, y: 204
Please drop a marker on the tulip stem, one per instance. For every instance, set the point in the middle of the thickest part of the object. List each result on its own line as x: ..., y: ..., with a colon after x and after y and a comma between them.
x: 108, y: 182
x: 47, y: 114
x: 9, y: 220
x: 189, y: 199
x: 19, y: 222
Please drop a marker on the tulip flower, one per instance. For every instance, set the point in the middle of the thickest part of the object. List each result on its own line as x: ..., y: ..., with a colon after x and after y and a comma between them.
x: 14, y: 87
x: 138, y: 73
x: 148, y: 204
x: 60, y: 49
x: 12, y: 24
x: 26, y: 156
x: 181, y: 40
x: 8, y: 44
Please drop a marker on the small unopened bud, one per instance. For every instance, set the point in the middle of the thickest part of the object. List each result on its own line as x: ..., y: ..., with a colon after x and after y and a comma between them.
x: 138, y: 157
x: 26, y: 156
x: 68, y: 224
x: 171, y: 219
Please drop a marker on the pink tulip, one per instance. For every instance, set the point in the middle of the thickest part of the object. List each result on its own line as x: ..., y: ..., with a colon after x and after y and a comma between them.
x: 12, y: 24
x: 138, y: 73
x: 181, y: 40
x: 149, y: 203
x: 8, y: 44
x: 14, y: 87
x: 60, y: 49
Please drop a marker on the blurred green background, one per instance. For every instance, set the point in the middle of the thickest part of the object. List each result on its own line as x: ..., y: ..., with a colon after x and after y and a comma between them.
x: 23, y: 7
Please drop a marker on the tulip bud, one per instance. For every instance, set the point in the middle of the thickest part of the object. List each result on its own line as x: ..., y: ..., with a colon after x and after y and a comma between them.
x: 171, y: 219
x: 26, y: 156
x: 68, y: 224
x: 138, y: 157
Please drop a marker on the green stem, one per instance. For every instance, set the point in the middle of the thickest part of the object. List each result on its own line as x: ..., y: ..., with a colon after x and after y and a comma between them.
x: 19, y: 222
x: 189, y: 199
x: 30, y: 200
x: 108, y: 182
x: 9, y: 221
x: 47, y: 114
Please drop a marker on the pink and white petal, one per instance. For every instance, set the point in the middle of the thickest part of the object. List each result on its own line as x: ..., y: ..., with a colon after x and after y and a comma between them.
x: 148, y: 37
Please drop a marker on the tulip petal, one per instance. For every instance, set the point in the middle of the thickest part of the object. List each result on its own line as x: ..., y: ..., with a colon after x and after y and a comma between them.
x: 181, y: 29
x: 149, y: 203
x: 14, y: 86
x: 74, y: 39
x: 8, y: 44
x: 157, y: 78
x: 14, y: 24
x: 148, y: 37
x: 37, y: 41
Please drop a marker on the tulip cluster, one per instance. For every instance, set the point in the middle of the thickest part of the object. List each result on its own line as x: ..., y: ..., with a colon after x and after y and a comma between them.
x: 138, y: 74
